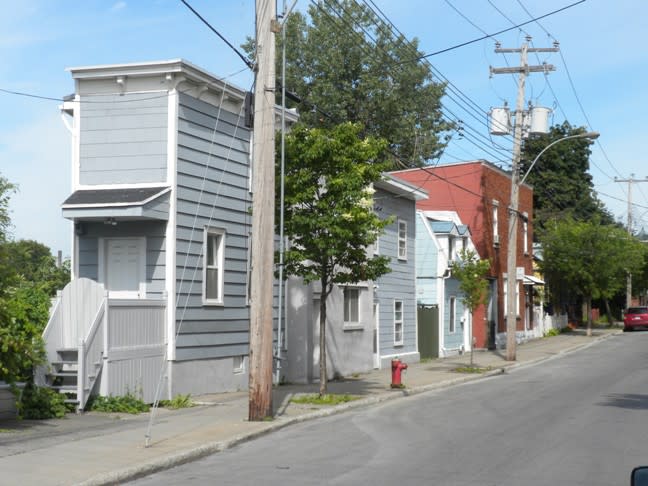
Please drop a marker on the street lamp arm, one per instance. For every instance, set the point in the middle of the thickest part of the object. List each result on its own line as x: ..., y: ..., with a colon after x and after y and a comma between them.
x: 590, y: 135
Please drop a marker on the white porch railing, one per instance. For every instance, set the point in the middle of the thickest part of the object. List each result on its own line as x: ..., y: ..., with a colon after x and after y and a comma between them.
x: 119, y: 343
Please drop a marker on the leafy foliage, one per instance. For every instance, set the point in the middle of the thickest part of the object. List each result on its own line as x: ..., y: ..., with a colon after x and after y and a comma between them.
x: 328, y: 217
x: 472, y: 273
x: 345, y: 65
x: 128, y: 403
x: 177, y: 402
x: 562, y: 185
x: 28, y: 277
x: 588, y: 259
x: 39, y: 403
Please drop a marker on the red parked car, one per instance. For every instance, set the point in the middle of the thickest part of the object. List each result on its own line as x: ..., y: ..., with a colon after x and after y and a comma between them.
x: 634, y: 318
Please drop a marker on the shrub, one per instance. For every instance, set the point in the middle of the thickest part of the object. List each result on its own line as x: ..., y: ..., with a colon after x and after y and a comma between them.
x: 179, y: 401
x: 40, y: 403
x: 552, y: 332
x: 128, y: 403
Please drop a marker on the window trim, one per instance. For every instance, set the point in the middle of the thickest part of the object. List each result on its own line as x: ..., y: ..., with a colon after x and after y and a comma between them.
x: 400, y: 322
x: 452, y: 316
x: 351, y: 324
x: 401, y: 223
x: 220, y: 257
x: 495, y: 222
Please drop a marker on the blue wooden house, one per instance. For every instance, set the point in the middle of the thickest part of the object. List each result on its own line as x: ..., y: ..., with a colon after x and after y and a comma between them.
x: 370, y: 322
x: 160, y: 212
x: 440, y: 237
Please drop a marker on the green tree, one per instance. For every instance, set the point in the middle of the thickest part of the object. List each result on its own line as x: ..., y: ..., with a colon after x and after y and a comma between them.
x: 590, y: 258
x: 34, y: 262
x: 345, y: 65
x: 472, y: 274
x: 562, y: 185
x: 329, y: 218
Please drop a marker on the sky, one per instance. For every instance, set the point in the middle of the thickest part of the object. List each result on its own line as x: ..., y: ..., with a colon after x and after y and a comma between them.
x: 599, y: 82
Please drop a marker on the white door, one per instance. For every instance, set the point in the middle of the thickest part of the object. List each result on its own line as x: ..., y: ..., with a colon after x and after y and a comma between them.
x: 124, y: 267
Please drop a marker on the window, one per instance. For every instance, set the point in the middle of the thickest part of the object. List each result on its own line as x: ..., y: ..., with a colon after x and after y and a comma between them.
x: 452, y: 327
x: 525, y: 233
x: 495, y: 223
x: 451, y: 248
x: 402, y: 240
x: 351, y: 306
x: 213, y: 262
x: 238, y: 364
x: 398, y: 322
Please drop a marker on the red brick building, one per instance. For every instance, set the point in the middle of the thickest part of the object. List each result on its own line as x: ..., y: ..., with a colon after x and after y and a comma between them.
x: 480, y: 193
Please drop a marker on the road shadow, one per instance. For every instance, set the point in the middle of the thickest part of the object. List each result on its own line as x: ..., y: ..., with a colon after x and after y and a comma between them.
x: 630, y: 401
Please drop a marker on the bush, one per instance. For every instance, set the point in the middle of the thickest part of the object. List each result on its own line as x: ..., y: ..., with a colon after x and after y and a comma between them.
x: 552, y: 332
x: 179, y: 401
x: 39, y: 403
x: 128, y: 403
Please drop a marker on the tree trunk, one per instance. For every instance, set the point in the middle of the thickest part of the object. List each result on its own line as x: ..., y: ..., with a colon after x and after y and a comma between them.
x: 589, y: 315
x: 608, y: 312
x: 322, y: 338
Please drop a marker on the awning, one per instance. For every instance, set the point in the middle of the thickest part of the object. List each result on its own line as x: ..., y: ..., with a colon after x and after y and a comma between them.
x: 531, y: 280
x: 124, y: 204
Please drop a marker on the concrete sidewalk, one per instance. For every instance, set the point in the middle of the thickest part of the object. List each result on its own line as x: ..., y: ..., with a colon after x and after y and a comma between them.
x: 98, y: 448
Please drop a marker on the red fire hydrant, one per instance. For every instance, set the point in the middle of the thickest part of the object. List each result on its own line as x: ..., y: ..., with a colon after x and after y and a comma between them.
x: 397, y: 367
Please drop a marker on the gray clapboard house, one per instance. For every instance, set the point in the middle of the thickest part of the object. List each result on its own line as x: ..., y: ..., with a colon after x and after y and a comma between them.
x: 370, y: 322
x: 160, y: 209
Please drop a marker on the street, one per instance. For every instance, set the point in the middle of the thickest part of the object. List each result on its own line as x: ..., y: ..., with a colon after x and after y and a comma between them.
x: 574, y: 420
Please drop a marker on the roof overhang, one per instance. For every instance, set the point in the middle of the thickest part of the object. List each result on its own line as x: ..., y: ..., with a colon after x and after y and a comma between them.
x: 531, y: 280
x: 401, y: 188
x: 140, y: 203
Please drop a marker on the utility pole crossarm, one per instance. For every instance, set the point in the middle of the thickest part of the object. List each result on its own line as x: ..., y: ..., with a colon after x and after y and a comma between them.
x: 524, y: 69
x: 500, y: 50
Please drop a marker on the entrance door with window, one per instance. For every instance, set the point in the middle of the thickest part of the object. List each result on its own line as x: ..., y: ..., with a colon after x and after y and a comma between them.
x: 124, y: 267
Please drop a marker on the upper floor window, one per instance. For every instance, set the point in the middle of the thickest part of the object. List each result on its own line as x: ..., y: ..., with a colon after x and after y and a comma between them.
x: 495, y: 223
x: 525, y: 233
x: 213, y: 264
x: 402, y: 240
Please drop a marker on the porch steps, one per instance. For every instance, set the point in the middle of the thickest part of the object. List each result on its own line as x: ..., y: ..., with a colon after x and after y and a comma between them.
x: 64, y: 372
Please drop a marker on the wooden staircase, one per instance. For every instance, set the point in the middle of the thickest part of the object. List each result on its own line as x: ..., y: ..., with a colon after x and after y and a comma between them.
x: 63, y: 376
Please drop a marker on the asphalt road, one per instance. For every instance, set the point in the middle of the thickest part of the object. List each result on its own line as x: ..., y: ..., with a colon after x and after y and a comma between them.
x: 579, y: 419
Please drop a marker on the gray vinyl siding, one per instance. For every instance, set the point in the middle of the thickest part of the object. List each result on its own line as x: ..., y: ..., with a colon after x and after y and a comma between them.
x: 153, y: 231
x: 213, y: 191
x: 400, y: 283
x: 123, y: 138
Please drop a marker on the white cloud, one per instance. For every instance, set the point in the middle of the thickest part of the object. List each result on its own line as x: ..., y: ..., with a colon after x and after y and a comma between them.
x: 118, y: 6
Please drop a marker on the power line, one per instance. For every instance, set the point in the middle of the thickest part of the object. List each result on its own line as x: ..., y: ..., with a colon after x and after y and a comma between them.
x: 247, y: 62
x: 487, y: 36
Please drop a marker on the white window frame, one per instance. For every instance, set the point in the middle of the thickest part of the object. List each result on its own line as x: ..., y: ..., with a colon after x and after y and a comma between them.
x: 495, y: 222
x: 401, y: 235
x: 525, y: 233
x: 452, y: 317
x: 347, y: 291
x: 220, y: 264
x: 399, y: 322
x: 238, y: 365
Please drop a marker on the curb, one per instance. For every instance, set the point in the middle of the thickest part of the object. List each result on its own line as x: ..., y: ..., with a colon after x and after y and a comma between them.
x: 179, y: 458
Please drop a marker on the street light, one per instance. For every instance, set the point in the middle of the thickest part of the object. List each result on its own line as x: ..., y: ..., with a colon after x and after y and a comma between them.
x: 590, y: 135
x: 511, y: 272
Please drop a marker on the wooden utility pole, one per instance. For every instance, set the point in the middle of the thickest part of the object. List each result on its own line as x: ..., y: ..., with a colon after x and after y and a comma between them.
x: 511, y: 260
x: 630, y: 181
x: 263, y: 187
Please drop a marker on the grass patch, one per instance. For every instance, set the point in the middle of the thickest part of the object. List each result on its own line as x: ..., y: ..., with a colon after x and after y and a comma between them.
x: 328, y: 399
x: 178, y: 402
x: 472, y: 369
